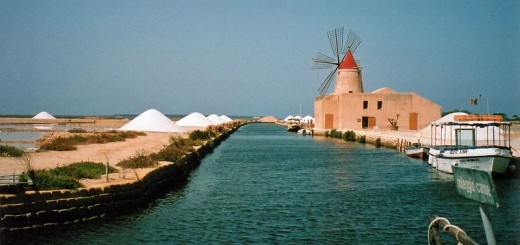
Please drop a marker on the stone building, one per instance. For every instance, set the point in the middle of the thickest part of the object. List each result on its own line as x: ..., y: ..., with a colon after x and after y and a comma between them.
x: 349, y: 107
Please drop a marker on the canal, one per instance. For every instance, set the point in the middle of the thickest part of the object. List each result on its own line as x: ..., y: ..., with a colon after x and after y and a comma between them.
x: 265, y: 185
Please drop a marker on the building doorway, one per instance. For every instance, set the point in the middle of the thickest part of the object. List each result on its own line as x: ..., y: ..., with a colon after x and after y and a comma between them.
x: 413, y: 121
x: 329, y: 121
x: 368, y: 122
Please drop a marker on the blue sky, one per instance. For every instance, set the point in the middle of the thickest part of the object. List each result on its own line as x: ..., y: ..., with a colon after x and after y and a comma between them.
x: 249, y: 57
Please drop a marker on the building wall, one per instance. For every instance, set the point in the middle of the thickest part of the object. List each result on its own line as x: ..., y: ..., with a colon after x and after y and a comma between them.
x: 348, y: 110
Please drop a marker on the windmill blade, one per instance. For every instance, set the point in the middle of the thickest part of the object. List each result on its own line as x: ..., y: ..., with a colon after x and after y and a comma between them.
x: 336, y: 41
x: 350, y: 38
x: 355, y: 44
x: 352, y: 43
x: 326, y: 83
x: 323, y: 61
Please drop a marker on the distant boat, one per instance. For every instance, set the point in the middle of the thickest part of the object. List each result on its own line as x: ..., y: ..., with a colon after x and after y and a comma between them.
x: 491, y: 153
x: 293, y: 127
x: 417, y: 151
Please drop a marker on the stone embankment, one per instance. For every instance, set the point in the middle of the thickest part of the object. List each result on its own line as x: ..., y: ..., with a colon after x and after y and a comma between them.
x: 42, y: 209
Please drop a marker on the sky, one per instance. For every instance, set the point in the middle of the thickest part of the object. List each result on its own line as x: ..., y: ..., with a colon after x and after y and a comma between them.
x: 249, y: 57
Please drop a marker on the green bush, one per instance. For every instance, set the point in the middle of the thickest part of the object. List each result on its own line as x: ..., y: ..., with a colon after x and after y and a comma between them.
x: 349, y: 136
x: 10, y: 151
x: 79, y: 170
x: 140, y: 160
x: 77, y: 130
x: 362, y: 139
x: 326, y: 133
x: 378, y: 142
x: 202, y: 135
x: 69, y: 143
x: 67, y: 177
x: 59, y: 144
x: 48, y: 180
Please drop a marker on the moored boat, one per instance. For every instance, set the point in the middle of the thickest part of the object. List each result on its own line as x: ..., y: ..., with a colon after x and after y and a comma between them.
x: 293, y: 127
x: 416, y: 151
x: 482, y: 145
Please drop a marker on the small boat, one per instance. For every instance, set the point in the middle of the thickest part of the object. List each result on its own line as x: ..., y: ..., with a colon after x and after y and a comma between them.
x: 293, y: 127
x: 417, y: 151
x: 482, y: 145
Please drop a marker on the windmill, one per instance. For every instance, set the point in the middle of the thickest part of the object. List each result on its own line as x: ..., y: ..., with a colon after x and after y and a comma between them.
x: 340, y: 51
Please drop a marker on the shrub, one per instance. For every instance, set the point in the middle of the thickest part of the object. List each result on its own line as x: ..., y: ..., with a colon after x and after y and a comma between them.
x: 350, y: 136
x: 59, y: 144
x: 332, y: 132
x: 77, y: 130
x: 48, y: 180
x: 68, y: 143
x: 378, y: 142
x: 10, y: 151
x: 201, y: 135
x: 326, y: 133
x: 79, y: 170
x: 140, y: 160
x: 170, y: 153
x: 362, y: 139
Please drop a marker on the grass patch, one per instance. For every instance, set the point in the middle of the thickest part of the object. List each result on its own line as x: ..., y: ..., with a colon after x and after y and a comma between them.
x: 69, y: 143
x: 77, y: 130
x: 140, y: 160
x: 177, y: 148
x: 67, y: 177
x: 10, y: 151
x: 202, y: 135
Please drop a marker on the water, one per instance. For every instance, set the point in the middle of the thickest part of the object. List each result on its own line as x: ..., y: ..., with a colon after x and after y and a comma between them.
x: 264, y: 185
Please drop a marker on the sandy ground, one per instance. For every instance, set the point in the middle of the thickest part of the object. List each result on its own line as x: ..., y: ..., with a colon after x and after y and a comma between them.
x: 153, y: 142
x: 111, y: 152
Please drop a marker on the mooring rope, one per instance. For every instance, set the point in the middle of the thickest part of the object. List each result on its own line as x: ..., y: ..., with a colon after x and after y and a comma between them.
x: 445, y: 229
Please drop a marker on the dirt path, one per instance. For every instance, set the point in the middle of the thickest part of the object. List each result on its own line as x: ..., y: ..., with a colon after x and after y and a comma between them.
x: 113, y: 152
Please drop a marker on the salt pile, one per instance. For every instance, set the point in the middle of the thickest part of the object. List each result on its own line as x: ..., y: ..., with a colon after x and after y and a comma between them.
x: 216, y: 119
x: 308, y: 119
x: 226, y: 118
x: 195, y: 119
x: 153, y: 121
x: 44, y: 115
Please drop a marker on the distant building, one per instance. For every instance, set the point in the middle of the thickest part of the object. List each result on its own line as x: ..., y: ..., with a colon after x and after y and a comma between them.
x: 349, y: 107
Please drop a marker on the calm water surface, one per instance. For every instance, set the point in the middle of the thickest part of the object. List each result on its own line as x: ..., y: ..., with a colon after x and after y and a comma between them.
x: 264, y: 185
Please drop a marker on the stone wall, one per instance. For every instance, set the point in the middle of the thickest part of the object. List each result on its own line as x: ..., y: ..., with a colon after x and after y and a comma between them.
x: 36, y: 210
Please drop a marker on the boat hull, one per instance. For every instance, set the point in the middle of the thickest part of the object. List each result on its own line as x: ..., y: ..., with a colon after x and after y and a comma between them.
x: 416, y: 152
x: 490, y: 159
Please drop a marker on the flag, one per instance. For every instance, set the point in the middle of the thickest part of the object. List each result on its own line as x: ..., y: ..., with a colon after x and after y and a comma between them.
x: 473, y: 101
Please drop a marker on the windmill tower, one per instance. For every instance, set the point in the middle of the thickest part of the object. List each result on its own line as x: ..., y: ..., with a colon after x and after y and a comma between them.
x: 346, y: 70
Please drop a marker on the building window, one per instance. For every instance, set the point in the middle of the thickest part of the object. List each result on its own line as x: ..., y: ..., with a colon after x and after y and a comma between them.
x: 379, y: 105
x: 365, y: 104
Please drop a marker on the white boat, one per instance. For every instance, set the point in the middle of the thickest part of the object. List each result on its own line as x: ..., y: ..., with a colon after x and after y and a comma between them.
x: 479, y: 144
x: 416, y: 151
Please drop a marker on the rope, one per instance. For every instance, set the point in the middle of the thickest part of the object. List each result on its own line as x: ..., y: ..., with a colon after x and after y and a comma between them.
x: 445, y: 229
x: 434, y: 222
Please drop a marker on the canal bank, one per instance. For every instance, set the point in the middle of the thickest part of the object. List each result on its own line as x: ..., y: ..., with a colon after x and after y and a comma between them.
x: 34, y: 210
x: 264, y: 185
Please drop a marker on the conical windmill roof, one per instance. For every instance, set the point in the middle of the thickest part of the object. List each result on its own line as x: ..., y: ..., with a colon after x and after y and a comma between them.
x: 216, y: 119
x: 195, y: 119
x: 152, y: 121
x: 226, y: 118
x: 44, y: 115
x: 349, y: 62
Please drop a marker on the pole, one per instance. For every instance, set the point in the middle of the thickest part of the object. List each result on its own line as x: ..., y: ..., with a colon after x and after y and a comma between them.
x: 490, y: 236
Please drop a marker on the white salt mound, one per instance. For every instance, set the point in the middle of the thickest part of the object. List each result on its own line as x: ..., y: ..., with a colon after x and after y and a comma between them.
x: 44, y: 115
x: 195, y: 119
x: 152, y: 121
x: 226, y: 118
x: 216, y: 119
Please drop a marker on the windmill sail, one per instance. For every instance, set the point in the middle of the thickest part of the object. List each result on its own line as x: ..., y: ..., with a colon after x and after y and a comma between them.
x: 340, y: 50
